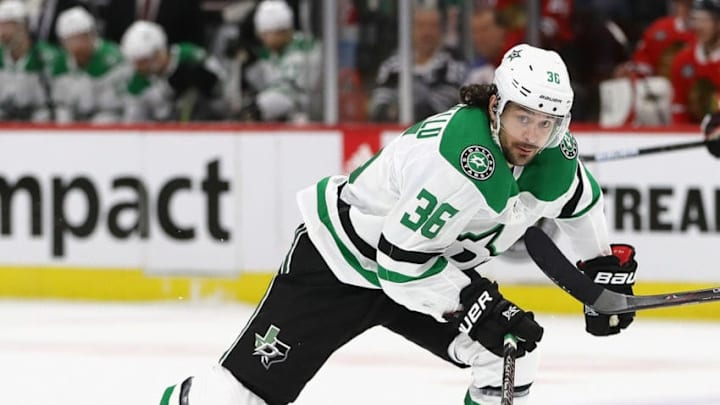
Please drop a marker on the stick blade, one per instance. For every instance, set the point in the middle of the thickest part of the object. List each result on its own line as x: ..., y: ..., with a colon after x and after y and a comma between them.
x: 557, y: 268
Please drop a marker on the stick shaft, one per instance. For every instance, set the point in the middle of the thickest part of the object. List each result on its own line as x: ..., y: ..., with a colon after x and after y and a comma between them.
x: 633, y: 152
x: 508, y: 381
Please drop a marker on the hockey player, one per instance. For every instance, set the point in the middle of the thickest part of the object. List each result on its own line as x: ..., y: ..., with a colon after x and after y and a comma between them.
x: 286, y: 77
x: 95, y: 84
x: 695, y: 70
x: 28, y: 68
x: 402, y: 240
x: 176, y: 82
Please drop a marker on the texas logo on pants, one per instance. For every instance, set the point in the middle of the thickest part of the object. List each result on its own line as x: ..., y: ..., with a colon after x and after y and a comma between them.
x: 270, y: 348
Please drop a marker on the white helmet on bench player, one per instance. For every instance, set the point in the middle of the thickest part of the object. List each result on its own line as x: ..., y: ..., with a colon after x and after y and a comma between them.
x: 13, y: 11
x: 74, y: 21
x: 538, y: 80
x: 273, y: 15
x: 142, y: 39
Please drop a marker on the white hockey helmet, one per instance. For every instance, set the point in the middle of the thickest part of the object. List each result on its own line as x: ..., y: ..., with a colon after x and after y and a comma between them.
x: 142, y: 39
x: 273, y: 15
x: 536, y: 79
x: 74, y: 21
x: 13, y: 11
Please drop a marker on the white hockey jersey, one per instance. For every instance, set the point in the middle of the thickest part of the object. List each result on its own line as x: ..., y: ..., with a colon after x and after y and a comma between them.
x: 94, y: 92
x: 441, y: 199
x: 288, y: 82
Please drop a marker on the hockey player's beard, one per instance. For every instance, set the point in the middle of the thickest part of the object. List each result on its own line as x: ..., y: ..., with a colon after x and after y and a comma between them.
x: 11, y: 42
x: 518, y: 153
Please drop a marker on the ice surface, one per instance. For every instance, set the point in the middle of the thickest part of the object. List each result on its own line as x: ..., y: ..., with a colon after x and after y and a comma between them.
x: 55, y: 353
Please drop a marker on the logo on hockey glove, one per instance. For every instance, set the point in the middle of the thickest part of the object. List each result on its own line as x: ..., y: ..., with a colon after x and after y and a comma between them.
x: 510, y: 312
x: 614, y: 278
x: 270, y: 348
x: 568, y: 146
x: 475, y: 312
x: 477, y: 162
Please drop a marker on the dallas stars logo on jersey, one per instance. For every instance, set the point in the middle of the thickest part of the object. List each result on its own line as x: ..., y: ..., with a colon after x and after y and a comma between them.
x: 270, y: 348
x: 568, y: 146
x: 477, y: 162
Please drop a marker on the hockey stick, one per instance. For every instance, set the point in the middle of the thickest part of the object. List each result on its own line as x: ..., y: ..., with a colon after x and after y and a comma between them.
x: 564, y: 274
x: 628, y: 153
x: 508, y: 381
x: 45, y: 83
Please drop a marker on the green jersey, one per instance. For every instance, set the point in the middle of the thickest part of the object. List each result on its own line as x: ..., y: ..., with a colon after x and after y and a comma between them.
x: 95, y: 92
x: 26, y: 84
x: 441, y: 199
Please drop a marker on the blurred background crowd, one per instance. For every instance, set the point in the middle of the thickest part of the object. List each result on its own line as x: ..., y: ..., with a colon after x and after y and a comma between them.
x: 640, y: 62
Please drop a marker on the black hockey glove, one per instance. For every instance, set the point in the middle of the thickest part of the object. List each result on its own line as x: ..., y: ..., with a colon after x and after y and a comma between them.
x: 487, y: 317
x: 710, y: 124
x: 615, y: 272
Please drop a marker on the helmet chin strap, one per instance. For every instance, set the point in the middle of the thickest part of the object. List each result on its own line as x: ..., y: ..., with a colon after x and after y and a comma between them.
x: 495, y: 130
x: 497, y: 108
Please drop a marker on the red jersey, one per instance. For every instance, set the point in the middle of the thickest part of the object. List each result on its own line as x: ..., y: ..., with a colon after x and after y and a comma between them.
x: 660, y: 42
x: 555, y: 17
x: 695, y: 78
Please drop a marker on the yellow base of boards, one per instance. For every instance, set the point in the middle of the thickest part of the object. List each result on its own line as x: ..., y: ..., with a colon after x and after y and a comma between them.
x: 23, y: 282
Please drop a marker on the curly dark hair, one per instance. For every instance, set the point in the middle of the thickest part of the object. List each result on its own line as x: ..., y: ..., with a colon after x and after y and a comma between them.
x: 477, y: 95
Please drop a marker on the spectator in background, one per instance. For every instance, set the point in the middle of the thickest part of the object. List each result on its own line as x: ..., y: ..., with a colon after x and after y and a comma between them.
x: 179, y: 82
x: 286, y: 78
x: 451, y: 9
x: 695, y: 71
x: 660, y: 42
x: 94, y: 86
x: 555, y: 21
x: 28, y: 69
x: 377, y: 36
x: 182, y: 20
x: 488, y: 31
x: 437, y: 73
